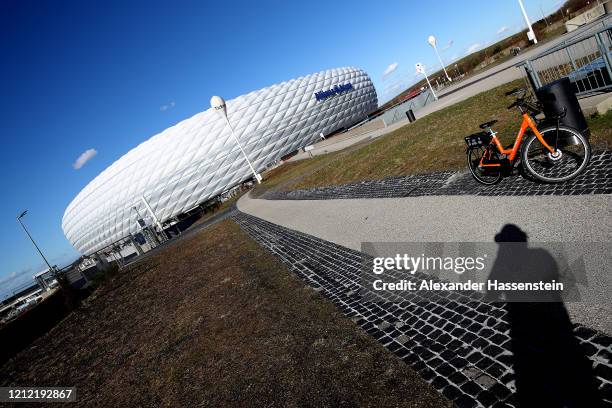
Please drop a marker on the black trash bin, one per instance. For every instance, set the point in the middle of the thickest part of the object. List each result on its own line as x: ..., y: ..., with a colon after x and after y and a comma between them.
x: 558, y: 95
x: 410, y: 115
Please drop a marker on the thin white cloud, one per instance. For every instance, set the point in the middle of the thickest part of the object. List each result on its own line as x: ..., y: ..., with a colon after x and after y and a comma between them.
x: 86, y: 156
x: 473, y: 48
x: 391, y: 68
x: 447, y: 46
x: 167, y: 106
x: 502, y: 29
x: 392, y: 88
x: 16, y: 274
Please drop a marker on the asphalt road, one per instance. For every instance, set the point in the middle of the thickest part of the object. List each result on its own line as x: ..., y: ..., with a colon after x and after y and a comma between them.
x: 569, y: 219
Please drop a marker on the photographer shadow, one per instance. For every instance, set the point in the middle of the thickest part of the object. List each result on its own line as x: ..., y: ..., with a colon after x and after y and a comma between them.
x: 550, y: 369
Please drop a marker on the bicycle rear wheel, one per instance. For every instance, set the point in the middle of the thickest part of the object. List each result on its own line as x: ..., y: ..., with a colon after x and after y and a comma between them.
x: 484, y: 175
x: 574, y: 153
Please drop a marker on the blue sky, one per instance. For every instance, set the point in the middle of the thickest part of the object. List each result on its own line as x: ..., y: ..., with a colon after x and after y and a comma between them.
x: 97, y: 78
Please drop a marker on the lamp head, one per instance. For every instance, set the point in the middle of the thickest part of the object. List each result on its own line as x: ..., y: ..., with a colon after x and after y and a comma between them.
x: 218, y: 104
x: 22, y: 214
x: 432, y: 41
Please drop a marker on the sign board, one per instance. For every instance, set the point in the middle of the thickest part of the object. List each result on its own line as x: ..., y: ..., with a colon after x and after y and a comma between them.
x: 308, y: 148
x: 336, y: 90
x: 420, y: 68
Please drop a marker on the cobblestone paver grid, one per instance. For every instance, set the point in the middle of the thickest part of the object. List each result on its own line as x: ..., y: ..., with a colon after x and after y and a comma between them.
x: 596, y: 180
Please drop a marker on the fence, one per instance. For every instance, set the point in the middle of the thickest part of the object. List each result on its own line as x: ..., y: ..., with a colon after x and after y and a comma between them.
x: 586, y: 60
x: 119, y: 253
x: 398, y: 112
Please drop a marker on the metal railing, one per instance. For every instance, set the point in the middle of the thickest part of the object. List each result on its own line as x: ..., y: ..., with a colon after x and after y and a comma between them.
x: 586, y: 60
x: 398, y: 112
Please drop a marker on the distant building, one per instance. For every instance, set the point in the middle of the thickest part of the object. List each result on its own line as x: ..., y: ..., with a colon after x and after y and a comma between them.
x: 45, y: 279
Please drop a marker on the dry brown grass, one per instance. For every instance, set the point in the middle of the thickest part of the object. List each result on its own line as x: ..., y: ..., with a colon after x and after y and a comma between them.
x: 214, y: 320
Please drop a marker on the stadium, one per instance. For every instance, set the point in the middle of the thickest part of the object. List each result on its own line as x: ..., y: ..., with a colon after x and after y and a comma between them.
x: 197, y: 159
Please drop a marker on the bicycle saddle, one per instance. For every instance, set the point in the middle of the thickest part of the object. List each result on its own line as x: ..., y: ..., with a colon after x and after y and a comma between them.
x: 488, y: 124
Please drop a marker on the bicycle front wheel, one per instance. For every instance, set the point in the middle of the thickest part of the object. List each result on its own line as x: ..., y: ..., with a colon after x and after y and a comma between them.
x: 570, y: 159
x: 484, y: 175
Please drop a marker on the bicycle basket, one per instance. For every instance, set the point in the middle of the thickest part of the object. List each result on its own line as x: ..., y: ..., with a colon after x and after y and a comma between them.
x: 478, y: 139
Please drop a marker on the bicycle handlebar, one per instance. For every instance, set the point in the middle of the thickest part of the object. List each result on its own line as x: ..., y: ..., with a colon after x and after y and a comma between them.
x: 521, y: 102
x: 516, y: 91
x: 513, y: 104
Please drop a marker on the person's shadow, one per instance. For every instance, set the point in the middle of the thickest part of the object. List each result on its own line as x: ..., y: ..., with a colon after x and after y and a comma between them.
x: 550, y: 369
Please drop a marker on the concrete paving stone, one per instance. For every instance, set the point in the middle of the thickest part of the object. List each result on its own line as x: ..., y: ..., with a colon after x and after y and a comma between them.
x: 403, y: 339
x: 487, y: 398
x: 439, y: 383
x: 471, y: 388
x: 451, y: 392
x: 465, y: 401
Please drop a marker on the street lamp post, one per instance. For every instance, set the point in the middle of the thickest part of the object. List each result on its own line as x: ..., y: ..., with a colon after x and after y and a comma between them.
x: 421, y: 70
x: 32, y: 239
x: 432, y: 41
x: 218, y: 104
x: 530, y: 34
x: 543, y: 16
x: 155, y: 219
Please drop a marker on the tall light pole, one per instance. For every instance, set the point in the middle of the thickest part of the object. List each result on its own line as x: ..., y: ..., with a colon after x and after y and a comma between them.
x: 543, y: 16
x: 32, y: 239
x: 530, y: 34
x: 155, y: 219
x: 218, y: 104
x: 432, y: 41
x: 421, y: 70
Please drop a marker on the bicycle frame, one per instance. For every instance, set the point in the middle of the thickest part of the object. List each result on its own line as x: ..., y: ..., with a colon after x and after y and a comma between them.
x: 511, y: 153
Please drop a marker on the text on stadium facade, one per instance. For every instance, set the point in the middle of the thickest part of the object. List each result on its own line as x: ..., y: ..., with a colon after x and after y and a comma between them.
x: 336, y: 90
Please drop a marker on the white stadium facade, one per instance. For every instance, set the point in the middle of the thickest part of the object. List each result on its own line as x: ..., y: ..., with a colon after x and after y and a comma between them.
x: 197, y: 159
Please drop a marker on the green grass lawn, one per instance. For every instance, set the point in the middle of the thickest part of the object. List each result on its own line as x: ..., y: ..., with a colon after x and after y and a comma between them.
x: 433, y: 143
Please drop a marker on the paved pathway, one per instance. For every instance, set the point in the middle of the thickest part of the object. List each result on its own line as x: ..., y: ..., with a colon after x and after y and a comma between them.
x: 349, y: 222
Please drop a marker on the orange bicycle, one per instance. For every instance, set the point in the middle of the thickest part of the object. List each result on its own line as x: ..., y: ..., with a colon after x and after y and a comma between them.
x: 554, y: 154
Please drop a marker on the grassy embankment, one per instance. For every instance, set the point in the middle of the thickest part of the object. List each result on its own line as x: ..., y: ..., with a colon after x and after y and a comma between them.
x: 215, y: 321
x: 433, y: 143
x: 217, y: 209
